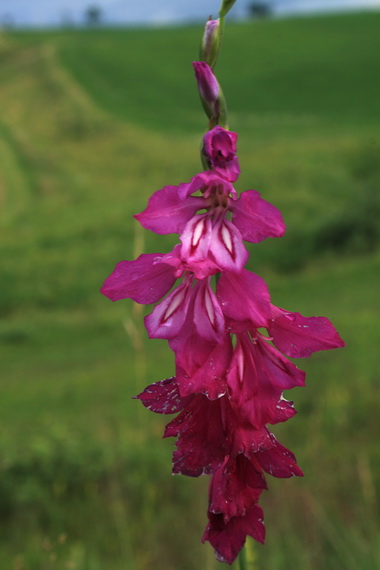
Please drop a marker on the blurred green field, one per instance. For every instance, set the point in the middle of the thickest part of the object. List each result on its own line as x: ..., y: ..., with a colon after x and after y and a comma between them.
x: 92, y: 122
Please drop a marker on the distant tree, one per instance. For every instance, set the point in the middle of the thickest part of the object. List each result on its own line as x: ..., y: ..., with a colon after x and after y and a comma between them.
x: 93, y: 15
x: 260, y: 9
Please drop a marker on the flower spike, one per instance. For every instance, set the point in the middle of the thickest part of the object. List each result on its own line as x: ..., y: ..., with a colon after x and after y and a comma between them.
x: 230, y: 343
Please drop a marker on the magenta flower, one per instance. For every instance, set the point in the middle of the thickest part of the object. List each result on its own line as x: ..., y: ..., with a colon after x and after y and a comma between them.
x: 214, y: 438
x: 219, y: 151
x: 230, y: 343
x: 194, y: 298
x: 149, y: 278
x: 225, y: 392
x: 211, y: 237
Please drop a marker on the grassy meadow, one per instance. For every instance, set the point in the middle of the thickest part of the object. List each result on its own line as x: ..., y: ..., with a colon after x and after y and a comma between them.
x: 92, y: 122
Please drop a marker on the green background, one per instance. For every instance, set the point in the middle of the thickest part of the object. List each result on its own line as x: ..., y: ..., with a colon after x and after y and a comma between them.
x: 92, y: 122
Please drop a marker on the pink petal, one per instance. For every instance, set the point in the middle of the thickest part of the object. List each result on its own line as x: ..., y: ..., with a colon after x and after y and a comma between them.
x: 201, y: 366
x: 231, y: 170
x: 168, y: 317
x: 256, y: 399
x: 255, y: 218
x: 226, y: 246
x: 201, y: 268
x: 244, y: 296
x: 166, y: 213
x: 219, y: 144
x: 207, y: 182
x: 163, y: 397
x: 196, y: 238
x: 145, y: 280
x: 299, y: 337
x: 275, y: 368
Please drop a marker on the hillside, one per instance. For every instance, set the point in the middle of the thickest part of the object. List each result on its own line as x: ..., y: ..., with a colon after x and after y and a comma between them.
x: 93, y: 121
x: 322, y: 69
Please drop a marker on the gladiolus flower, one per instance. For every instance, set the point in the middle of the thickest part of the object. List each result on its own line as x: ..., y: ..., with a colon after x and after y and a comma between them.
x: 219, y: 151
x: 230, y: 343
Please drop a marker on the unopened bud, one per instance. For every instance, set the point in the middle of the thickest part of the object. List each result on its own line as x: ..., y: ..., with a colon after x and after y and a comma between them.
x: 219, y: 152
x: 207, y: 83
x: 210, y: 43
x: 211, y: 94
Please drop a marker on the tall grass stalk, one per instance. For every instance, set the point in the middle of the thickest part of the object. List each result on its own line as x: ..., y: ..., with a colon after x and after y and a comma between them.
x: 133, y: 324
x: 243, y: 564
x: 247, y: 556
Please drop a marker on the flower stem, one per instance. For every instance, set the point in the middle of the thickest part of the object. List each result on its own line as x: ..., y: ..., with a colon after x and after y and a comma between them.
x: 221, y: 33
x: 225, y: 7
x: 243, y: 559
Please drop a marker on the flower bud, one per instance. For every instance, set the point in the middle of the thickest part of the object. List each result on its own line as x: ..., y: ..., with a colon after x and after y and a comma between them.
x: 207, y: 83
x: 211, y: 94
x: 219, y: 152
x: 210, y: 43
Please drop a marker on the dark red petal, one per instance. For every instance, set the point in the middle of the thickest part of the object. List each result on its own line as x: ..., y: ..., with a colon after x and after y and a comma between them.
x: 163, y: 397
x: 278, y: 461
x: 201, y: 441
x: 245, y: 438
x: 201, y: 366
x: 229, y: 538
x: 235, y: 487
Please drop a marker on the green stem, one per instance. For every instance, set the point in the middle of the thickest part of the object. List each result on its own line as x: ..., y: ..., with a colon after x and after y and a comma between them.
x: 225, y: 7
x: 243, y: 559
x: 222, y: 18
